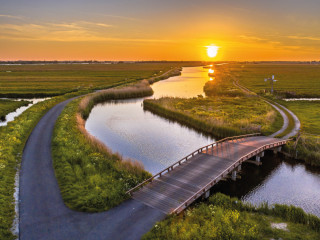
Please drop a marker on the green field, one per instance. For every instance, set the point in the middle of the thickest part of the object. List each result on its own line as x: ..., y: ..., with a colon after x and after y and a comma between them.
x: 57, y: 79
x: 294, y: 80
x: 8, y: 106
x: 308, y: 113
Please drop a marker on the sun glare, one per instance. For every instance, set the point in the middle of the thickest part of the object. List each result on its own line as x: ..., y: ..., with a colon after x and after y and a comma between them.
x: 212, y: 51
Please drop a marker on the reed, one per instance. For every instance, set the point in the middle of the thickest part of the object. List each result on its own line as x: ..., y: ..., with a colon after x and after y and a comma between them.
x: 140, y: 89
x: 222, y: 217
x: 218, y: 117
x: 87, y: 169
x: 213, y: 128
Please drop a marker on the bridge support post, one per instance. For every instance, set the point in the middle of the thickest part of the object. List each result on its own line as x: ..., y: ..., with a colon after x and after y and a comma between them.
x: 239, y: 168
x: 207, y: 194
x: 234, y: 175
x: 258, y: 158
x: 276, y: 150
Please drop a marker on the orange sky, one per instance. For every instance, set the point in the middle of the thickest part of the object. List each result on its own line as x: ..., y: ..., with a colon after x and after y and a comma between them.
x: 159, y: 30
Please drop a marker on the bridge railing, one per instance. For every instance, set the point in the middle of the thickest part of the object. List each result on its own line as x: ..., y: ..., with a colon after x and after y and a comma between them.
x: 226, y: 172
x: 171, y: 167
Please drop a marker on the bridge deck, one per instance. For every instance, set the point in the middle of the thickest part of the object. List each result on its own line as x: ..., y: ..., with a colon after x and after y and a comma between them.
x: 173, y: 188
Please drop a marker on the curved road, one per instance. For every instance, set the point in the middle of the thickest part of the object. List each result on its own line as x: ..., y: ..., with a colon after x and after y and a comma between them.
x: 43, y: 214
x: 285, y: 125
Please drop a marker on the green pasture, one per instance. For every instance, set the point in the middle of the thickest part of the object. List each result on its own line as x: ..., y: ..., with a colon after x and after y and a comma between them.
x: 294, y: 80
x: 57, y: 79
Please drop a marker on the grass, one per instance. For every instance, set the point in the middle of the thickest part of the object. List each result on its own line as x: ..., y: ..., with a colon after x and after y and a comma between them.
x: 226, y: 111
x: 90, y: 177
x: 12, y: 140
x: 15, y: 134
x: 308, y: 113
x: 58, y: 79
x: 294, y: 80
x: 8, y: 106
x: 219, y: 117
x: 222, y: 217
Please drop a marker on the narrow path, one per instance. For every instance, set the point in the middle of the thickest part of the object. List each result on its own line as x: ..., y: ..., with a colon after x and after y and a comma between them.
x: 43, y: 214
x: 280, y: 108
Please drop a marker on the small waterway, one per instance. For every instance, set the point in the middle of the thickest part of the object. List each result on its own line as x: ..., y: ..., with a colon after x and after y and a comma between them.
x: 126, y: 128
x: 11, y: 116
x: 301, y: 99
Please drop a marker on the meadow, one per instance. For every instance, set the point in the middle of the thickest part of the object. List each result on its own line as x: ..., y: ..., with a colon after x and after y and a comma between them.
x: 221, y: 116
x: 222, y: 217
x: 294, y: 80
x: 57, y: 79
x: 7, y: 106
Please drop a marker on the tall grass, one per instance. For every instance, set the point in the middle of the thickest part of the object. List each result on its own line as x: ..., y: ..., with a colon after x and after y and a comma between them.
x: 306, y: 148
x: 219, y: 117
x: 213, y: 128
x: 222, y: 217
x: 141, y: 89
x: 91, y: 177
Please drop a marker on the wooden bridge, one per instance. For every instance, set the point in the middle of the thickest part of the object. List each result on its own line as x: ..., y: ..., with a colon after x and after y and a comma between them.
x: 177, y: 186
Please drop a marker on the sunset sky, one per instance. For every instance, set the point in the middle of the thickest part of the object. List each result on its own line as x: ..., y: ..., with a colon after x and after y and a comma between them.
x: 159, y: 30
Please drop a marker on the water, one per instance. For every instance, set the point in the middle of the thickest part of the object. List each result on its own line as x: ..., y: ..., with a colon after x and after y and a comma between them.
x: 157, y: 142
x: 301, y: 99
x: 11, y: 116
x: 137, y: 134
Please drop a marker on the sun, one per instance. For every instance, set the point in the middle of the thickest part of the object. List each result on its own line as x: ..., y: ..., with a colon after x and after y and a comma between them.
x: 212, y: 51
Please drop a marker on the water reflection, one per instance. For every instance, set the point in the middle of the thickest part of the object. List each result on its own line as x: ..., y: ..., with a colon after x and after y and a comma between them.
x: 126, y: 128
x: 189, y: 84
x: 277, y: 181
x: 157, y: 142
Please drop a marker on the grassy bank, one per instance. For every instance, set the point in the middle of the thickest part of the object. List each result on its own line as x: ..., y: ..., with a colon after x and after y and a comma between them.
x: 8, y: 106
x: 306, y: 146
x: 57, y: 79
x: 12, y: 140
x: 90, y: 176
x: 222, y: 217
x: 219, y: 117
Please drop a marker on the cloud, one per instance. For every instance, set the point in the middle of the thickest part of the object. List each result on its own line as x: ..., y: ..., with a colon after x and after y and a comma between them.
x: 305, y: 38
x: 252, y: 38
x: 65, y: 32
x: 10, y: 16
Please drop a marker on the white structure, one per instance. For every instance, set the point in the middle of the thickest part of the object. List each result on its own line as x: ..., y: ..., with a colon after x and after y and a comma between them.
x: 271, y: 82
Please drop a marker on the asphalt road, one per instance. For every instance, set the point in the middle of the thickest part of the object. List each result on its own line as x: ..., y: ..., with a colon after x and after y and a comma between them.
x: 43, y: 214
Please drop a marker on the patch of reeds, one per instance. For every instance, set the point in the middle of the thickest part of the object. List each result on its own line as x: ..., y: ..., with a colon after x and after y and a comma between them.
x: 213, y: 127
x: 91, y: 177
x: 305, y: 148
x: 222, y: 217
x: 141, y: 89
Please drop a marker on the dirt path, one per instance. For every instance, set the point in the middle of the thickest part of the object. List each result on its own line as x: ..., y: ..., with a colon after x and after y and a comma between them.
x: 280, y: 109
